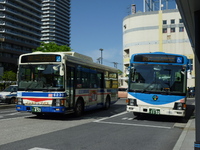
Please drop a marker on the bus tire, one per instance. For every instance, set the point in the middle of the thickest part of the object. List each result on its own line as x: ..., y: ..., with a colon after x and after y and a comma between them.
x: 107, y: 103
x: 38, y: 114
x: 137, y: 114
x: 79, y: 108
x: 12, y: 101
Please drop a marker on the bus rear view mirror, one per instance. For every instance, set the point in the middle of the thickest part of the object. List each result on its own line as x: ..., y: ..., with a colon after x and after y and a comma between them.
x: 60, y: 68
x: 127, y: 70
x: 61, y: 71
x: 41, y: 67
x: 183, y: 71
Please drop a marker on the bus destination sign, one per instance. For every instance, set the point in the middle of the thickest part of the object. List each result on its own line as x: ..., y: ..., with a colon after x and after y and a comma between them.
x: 158, y: 58
x: 41, y: 58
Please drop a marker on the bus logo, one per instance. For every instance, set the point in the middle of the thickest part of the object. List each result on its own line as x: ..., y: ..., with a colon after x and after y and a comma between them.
x: 93, y: 95
x: 155, y: 97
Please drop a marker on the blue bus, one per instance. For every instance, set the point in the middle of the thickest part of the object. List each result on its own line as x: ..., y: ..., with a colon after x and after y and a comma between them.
x: 158, y: 84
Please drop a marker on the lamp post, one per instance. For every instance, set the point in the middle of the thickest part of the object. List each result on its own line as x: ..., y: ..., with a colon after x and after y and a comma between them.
x: 101, y: 55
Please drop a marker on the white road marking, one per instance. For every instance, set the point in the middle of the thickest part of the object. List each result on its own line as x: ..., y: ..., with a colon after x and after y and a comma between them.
x: 17, y: 117
x: 5, y: 111
x: 125, y: 112
x: 38, y: 148
x: 127, y: 124
x: 130, y: 124
x: 12, y: 114
x: 125, y: 118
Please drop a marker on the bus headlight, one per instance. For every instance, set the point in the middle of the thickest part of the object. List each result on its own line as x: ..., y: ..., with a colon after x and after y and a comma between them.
x: 180, y: 106
x: 19, y: 101
x: 132, y: 102
x: 58, y: 102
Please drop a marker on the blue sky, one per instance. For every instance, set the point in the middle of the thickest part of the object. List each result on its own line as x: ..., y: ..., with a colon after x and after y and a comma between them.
x: 97, y: 24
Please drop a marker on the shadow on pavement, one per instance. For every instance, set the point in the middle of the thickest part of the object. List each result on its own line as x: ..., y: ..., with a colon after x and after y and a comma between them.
x: 93, y: 114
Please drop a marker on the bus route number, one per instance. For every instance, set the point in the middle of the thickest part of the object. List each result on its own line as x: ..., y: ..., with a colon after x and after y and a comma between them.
x: 154, y: 111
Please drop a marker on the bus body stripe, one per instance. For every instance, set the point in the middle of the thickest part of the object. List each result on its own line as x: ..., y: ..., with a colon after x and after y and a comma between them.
x: 161, y: 99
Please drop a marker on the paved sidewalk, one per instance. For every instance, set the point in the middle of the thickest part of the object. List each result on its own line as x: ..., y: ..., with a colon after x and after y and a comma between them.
x: 187, y: 137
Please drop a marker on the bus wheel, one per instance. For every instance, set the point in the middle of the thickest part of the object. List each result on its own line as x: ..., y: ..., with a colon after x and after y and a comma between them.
x: 107, y: 103
x: 12, y: 101
x: 137, y: 114
x: 79, y: 108
x: 38, y: 114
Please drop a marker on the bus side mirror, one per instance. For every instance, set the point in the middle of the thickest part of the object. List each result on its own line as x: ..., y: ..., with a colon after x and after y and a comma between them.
x: 127, y: 71
x: 183, y: 71
x: 61, y: 70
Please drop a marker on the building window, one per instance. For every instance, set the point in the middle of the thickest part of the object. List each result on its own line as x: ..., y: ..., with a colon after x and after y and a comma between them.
x: 180, y: 20
x: 164, y: 30
x: 164, y: 21
x: 172, y: 21
x: 181, y: 29
x: 172, y: 30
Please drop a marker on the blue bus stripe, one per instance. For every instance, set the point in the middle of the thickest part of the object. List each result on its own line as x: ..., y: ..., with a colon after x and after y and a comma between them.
x: 160, y: 100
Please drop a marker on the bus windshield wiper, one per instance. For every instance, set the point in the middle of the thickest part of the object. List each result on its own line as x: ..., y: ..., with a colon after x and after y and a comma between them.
x: 28, y: 86
x: 145, y: 89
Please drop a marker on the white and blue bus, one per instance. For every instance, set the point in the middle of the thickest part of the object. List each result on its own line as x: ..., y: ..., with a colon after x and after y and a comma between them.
x: 64, y: 82
x: 157, y: 84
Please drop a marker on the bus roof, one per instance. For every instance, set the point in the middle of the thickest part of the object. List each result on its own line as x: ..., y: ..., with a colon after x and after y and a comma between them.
x: 75, y: 57
x: 81, y: 61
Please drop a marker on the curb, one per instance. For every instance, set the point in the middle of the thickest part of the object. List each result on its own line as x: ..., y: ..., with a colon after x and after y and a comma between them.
x: 182, y: 136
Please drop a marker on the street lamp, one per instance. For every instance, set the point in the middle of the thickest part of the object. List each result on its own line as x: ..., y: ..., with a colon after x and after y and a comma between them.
x: 101, y: 55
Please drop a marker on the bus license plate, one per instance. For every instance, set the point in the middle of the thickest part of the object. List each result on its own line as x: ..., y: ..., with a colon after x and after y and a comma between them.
x: 36, y: 109
x: 154, y: 111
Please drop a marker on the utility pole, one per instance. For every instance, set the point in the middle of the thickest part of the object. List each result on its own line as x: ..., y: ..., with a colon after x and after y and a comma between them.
x: 115, y: 64
x: 98, y: 60
x: 101, y: 55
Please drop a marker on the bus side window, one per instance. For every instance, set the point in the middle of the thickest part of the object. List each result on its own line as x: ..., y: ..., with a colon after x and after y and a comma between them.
x: 100, y: 82
x: 93, y: 80
x: 85, y: 80
x: 78, y: 81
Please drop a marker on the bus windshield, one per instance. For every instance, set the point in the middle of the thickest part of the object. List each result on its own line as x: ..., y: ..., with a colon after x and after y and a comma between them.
x: 40, y: 77
x: 163, y: 79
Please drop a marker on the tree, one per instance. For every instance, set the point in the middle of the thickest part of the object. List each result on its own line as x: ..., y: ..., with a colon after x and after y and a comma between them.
x: 120, y: 72
x: 9, y: 76
x: 52, y: 47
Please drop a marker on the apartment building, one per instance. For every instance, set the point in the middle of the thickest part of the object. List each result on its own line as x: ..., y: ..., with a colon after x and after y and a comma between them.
x: 24, y: 24
x: 56, y: 21
x: 20, y: 30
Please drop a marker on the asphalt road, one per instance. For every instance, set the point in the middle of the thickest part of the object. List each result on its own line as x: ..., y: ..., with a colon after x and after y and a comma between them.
x: 113, y: 129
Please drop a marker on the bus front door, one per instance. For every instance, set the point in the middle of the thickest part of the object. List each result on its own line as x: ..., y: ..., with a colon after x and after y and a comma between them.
x: 70, y: 86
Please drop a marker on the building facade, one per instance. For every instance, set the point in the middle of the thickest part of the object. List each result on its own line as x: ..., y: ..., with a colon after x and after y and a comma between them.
x: 20, y: 30
x: 56, y: 21
x: 152, y: 31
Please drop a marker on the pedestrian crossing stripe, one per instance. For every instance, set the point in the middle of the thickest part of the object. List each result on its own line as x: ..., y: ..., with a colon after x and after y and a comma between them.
x: 39, y: 148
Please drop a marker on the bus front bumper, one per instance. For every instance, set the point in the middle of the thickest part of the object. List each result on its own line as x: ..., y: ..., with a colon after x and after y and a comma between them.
x: 156, y: 111
x: 42, y: 109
